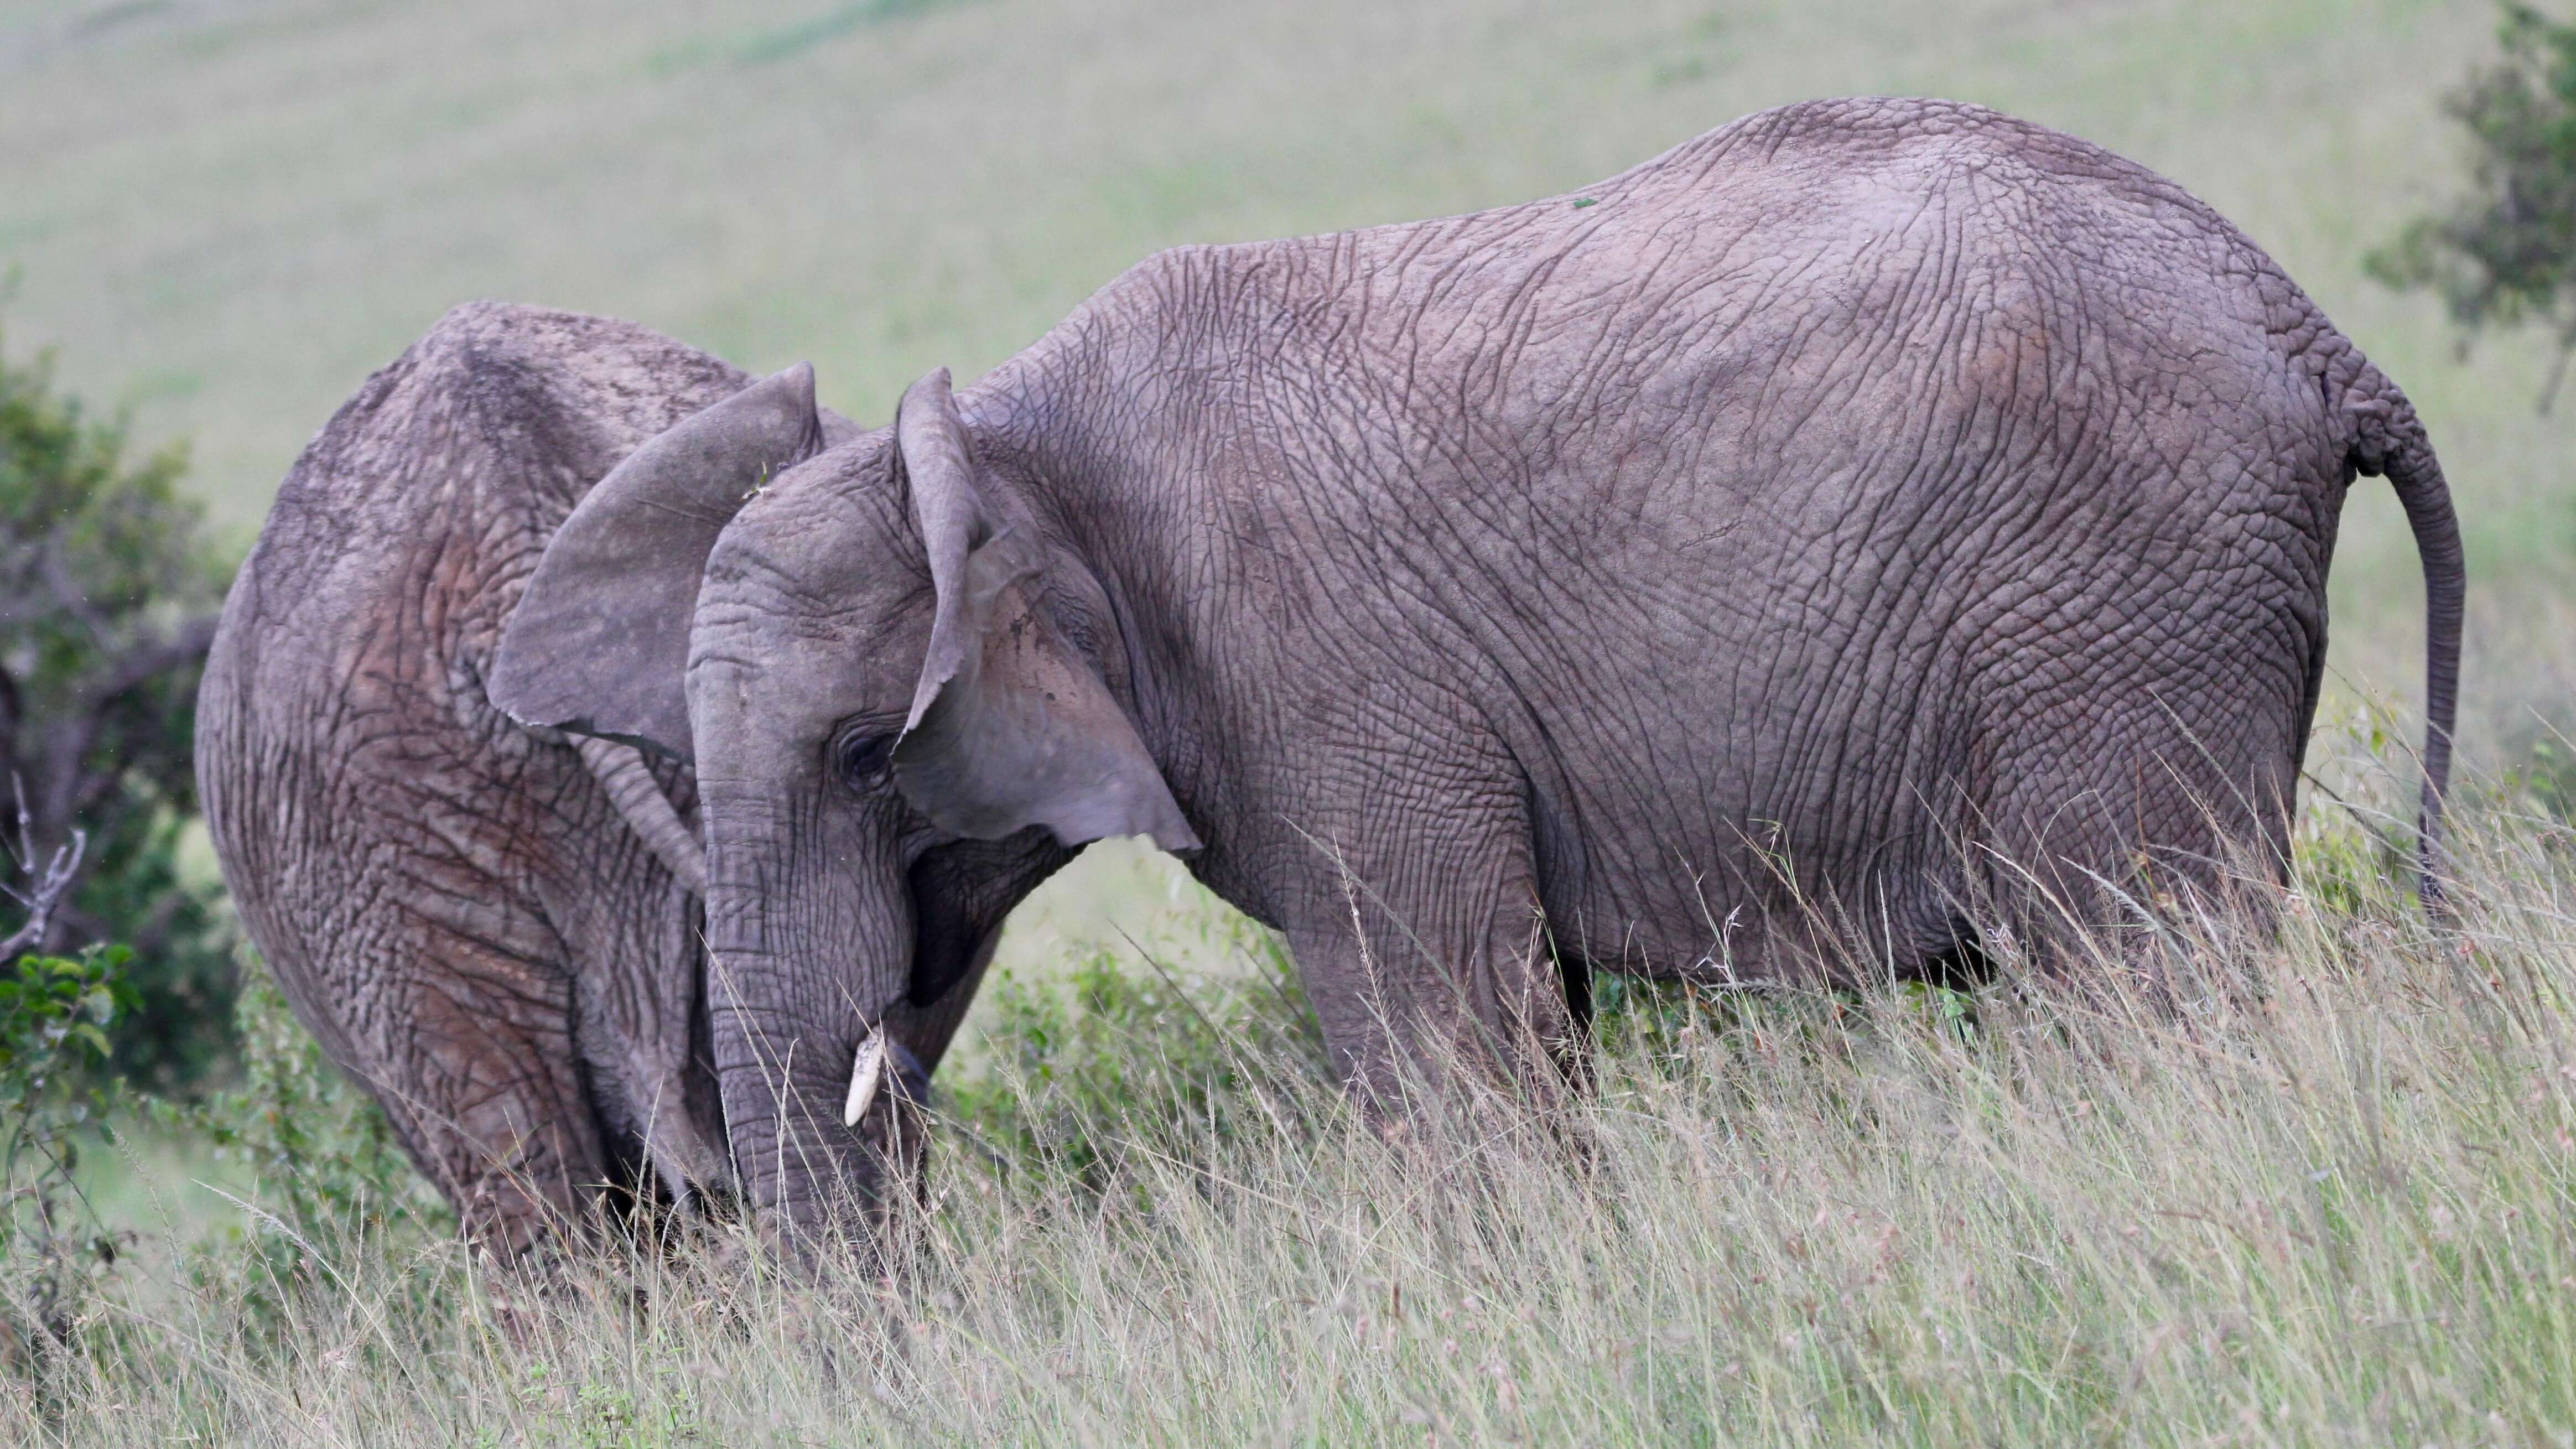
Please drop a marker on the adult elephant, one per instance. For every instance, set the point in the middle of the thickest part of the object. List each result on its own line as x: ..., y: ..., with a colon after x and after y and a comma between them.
x: 495, y: 929
x: 1882, y: 516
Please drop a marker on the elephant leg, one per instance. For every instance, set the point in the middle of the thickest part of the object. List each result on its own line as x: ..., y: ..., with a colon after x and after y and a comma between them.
x: 490, y: 1100
x: 1421, y: 943
x: 2165, y: 812
x: 929, y: 1029
x: 453, y: 1014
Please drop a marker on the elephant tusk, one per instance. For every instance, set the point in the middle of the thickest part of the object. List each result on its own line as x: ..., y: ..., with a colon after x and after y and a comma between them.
x: 867, y: 1073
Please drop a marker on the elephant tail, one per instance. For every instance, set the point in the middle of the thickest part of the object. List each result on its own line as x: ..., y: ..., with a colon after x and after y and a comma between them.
x: 2388, y: 439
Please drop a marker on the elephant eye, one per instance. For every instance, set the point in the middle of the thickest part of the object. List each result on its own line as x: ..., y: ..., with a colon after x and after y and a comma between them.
x: 863, y: 758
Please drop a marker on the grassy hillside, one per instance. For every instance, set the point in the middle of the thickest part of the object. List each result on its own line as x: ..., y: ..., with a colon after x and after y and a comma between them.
x: 228, y: 211
x: 2328, y: 1203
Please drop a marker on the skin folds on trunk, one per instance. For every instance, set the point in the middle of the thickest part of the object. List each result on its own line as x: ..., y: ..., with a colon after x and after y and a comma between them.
x: 831, y: 923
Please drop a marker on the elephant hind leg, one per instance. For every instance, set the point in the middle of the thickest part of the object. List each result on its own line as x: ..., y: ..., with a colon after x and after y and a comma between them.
x: 2160, y: 827
x: 1960, y: 959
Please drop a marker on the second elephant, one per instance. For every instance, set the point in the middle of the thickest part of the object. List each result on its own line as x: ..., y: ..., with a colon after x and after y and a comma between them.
x: 495, y: 929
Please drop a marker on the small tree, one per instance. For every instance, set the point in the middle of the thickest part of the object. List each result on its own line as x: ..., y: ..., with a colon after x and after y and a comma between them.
x: 108, y: 593
x: 2506, y: 254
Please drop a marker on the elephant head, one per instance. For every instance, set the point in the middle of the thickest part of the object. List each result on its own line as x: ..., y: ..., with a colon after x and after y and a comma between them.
x: 900, y: 705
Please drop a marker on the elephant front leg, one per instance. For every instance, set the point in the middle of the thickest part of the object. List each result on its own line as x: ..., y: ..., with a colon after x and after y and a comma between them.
x: 1423, y: 947
x: 477, y: 1074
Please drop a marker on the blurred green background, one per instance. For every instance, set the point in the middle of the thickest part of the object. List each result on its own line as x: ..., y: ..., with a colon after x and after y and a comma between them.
x: 224, y: 213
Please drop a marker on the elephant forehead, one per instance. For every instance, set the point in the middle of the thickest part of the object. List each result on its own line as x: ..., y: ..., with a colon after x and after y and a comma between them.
x: 844, y: 642
x: 819, y: 545
x: 794, y: 634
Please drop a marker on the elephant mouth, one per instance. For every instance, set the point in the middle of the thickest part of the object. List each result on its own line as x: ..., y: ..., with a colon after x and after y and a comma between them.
x: 944, y: 936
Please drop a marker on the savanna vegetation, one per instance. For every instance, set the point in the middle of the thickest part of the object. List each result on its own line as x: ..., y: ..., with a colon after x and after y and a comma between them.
x: 2321, y: 1188
x: 2329, y: 1199
x: 108, y: 593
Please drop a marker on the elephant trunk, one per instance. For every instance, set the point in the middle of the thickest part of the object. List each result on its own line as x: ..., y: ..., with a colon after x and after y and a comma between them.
x: 800, y: 997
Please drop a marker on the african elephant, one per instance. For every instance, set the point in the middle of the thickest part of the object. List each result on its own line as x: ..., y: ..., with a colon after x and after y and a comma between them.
x: 496, y: 929
x: 1877, y: 515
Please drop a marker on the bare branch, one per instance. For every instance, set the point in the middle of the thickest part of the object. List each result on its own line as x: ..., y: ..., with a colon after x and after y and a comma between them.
x: 46, y: 888
x: 2558, y: 368
x: 10, y: 714
x: 69, y: 597
x: 69, y: 789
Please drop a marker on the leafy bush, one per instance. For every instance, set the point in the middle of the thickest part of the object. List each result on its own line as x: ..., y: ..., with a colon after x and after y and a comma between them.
x: 2506, y: 254
x: 1119, y: 1055
x: 330, y: 1200
x: 325, y: 1170
x: 108, y: 599
x: 55, y: 1012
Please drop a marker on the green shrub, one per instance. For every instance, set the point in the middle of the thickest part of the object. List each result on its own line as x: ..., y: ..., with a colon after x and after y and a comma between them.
x: 1120, y: 1055
x: 55, y: 1013
x: 2547, y: 776
x: 108, y: 599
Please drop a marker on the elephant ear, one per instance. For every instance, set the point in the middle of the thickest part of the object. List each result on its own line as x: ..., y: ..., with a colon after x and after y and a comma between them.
x: 600, y: 637
x: 1010, y: 726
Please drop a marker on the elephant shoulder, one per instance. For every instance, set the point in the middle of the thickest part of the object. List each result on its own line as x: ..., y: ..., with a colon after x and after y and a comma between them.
x: 542, y: 376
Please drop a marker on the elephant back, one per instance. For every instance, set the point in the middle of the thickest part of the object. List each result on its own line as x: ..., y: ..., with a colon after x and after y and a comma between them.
x: 428, y: 881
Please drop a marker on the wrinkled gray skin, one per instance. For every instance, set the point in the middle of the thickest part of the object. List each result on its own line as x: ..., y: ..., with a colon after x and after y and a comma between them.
x: 457, y: 905
x: 1873, y: 515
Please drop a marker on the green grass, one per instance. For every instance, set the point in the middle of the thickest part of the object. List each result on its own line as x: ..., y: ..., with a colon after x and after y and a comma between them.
x: 2324, y: 1194
x: 2336, y: 1211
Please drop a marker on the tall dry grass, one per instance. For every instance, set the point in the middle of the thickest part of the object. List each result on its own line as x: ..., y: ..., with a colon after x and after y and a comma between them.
x: 2329, y: 1198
